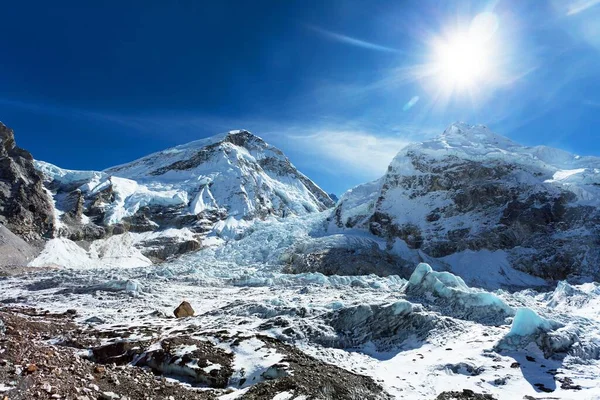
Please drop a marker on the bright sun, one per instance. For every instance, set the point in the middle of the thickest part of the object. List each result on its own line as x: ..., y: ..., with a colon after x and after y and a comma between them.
x: 465, y: 60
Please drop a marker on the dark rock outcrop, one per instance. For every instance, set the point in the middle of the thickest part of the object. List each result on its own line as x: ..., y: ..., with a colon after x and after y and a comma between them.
x: 25, y: 208
x: 349, y: 261
x: 466, y: 394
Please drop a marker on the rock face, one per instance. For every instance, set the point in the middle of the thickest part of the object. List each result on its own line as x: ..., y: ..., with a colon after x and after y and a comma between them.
x: 472, y: 190
x: 25, y: 208
x: 175, y: 197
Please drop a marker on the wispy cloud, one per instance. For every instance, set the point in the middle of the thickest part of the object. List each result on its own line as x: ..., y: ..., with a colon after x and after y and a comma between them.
x: 357, y: 152
x: 575, y: 7
x: 352, y: 41
x: 353, y: 150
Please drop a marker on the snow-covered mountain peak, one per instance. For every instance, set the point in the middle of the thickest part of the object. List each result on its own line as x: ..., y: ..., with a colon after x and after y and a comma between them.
x: 239, y: 137
x: 471, y: 190
x: 475, y: 135
x: 229, y: 179
x: 461, y: 141
x: 179, y: 161
x: 464, y: 140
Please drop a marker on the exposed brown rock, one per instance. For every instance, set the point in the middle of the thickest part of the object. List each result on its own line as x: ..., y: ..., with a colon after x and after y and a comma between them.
x: 184, y: 310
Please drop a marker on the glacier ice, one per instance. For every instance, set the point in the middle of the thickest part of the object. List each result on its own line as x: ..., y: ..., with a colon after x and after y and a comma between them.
x: 527, y: 322
x: 452, y: 293
x: 550, y: 336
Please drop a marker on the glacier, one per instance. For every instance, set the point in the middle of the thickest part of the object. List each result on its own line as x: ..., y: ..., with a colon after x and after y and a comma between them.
x: 383, y: 326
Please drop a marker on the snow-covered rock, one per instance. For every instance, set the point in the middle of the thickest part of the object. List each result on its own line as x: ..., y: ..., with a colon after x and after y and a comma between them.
x: 472, y: 190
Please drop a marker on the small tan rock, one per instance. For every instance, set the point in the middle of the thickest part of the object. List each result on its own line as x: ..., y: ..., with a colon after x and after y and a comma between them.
x: 184, y: 310
x: 31, y: 368
x: 99, y: 369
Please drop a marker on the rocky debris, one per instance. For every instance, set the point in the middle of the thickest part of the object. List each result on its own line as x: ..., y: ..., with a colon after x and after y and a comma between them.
x: 14, y: 251
x: 25, y: 208
x: 33, y: 368
x: 119, y: 353
x: 184, y: 310
x: 79, y: 364
x: 567, y: 383
x: 382, y: 325
x: 466, y: 394
x: 163, y: 248
x: 197, y: 361
x: 312, y: 378
x: 464, y: 368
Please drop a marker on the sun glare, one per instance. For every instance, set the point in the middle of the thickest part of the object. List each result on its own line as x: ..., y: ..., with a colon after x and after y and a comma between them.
x: 464, y: 60
x: 461, y: 61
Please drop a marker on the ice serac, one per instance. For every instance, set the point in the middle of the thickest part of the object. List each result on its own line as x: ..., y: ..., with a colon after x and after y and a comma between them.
x: 25, y: 207
x: 452, y: 293
x: 551, y: 337
x: 173, y: 198
x: 470, y: 191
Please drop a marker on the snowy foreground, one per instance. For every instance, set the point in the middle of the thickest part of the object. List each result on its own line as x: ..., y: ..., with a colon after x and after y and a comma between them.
x: 417, y: 337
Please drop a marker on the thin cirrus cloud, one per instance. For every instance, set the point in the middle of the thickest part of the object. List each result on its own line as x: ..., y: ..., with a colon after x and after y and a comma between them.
x: 352, y: 41
x: 579, y: 6
x: 351, y: 152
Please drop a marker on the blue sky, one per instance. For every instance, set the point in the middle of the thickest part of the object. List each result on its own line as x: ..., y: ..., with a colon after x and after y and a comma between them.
x: 340, y: 86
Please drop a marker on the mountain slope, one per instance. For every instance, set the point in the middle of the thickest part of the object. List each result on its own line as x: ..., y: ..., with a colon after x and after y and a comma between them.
x: 215, y: 185
x: 470, y: 190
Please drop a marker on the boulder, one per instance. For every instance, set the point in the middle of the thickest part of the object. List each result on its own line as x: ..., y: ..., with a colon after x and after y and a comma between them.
x: 184, y: 310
